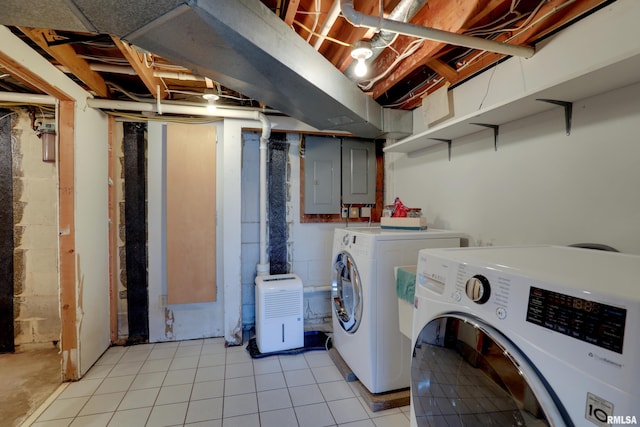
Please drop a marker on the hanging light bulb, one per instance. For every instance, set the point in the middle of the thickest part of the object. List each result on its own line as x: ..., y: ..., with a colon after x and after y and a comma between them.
x: 361, y: 52
x: 361, y: 68
x: 211, y: 102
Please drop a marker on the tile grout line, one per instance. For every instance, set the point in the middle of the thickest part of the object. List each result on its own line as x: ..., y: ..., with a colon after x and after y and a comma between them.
x: 225, y: 385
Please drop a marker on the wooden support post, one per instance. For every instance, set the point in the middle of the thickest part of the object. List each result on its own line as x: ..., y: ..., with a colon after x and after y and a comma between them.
x: 68, y: 288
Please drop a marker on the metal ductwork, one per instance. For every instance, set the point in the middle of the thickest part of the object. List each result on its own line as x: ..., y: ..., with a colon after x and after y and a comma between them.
x: 239, y: 43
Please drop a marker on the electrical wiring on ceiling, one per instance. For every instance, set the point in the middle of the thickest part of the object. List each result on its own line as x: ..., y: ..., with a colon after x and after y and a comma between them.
x: 221, y: 95
x: 313, y: 33
x: 496, y: 29
x: 410, y: 50
x: 111, y: 60
x: 47, y: 111
x: 315, y: 20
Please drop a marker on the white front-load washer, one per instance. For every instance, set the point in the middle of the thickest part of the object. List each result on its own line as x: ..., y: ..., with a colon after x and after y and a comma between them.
x: 365, y: 309
x: 539, y: 335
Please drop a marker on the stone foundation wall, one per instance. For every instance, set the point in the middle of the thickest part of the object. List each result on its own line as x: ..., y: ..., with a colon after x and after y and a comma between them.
x: 35, y: 198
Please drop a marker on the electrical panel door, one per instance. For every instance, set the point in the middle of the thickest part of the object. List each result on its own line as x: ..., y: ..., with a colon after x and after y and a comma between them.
x: 358, y: 172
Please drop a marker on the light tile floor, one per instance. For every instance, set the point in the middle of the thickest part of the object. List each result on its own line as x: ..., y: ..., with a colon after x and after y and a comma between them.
x: 202, y: 383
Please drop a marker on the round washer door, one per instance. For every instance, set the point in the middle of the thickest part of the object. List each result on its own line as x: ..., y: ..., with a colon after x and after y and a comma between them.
x: 346, y: 292
x: 466, y: 373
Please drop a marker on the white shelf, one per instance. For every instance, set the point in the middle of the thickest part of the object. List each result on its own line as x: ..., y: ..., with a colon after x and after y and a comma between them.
x: 620, y: 74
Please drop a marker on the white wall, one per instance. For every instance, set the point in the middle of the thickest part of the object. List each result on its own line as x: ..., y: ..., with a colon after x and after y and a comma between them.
x: 541, y: 186
x: 92, y: 233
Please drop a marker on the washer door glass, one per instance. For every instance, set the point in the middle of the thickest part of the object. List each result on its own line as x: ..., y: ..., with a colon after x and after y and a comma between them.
x: 466, y: 373
x: 346, y: 292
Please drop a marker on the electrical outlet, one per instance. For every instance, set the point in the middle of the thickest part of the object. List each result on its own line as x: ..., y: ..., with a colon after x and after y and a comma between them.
x: 354, y: 212
x: 345, y: 212
x: 163, y: 300
x: 365, y: 212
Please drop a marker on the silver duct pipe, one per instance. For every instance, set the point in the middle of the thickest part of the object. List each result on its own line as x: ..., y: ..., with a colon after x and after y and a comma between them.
x: 361, y: 20
x: 403, y: 12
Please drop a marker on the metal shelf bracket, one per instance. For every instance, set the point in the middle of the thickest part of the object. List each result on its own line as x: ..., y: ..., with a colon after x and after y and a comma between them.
x: 568, y: 111
x: 496, y: 131
x: 448, y: 141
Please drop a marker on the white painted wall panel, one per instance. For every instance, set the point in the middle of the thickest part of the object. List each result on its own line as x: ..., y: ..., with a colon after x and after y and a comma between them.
x: 541, y: 186
x: 91, y: 231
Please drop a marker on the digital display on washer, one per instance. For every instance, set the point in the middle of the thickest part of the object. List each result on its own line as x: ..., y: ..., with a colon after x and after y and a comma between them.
x: 598, y: 324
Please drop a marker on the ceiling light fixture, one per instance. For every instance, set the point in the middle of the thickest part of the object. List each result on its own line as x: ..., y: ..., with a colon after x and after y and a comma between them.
x: 211, y: 101
x: 361, y: 51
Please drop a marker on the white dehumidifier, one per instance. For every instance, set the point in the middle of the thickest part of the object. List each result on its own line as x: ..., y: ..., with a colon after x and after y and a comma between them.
x: 279, y: 317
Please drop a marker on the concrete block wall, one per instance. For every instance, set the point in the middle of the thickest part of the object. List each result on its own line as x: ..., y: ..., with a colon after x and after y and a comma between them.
x: 308, y: 245
x: 250, y: 223
x: 121, y: 276
x: 36, y: 301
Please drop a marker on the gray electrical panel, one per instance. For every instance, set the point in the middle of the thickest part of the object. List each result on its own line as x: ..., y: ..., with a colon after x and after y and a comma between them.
x: 321, y: 175
x: 358, y: 172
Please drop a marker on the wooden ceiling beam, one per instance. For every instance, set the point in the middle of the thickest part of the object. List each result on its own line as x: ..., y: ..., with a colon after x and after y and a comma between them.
x: 486, y: 59
x: 67, y: 57
x: 137, y: 62
x: 440, y: 14
x: 559, y: 13
x: 18, y: 71
x: 483, y: 61
x: 290, y: 13
x: 485, y: 9
x: 449, y: 73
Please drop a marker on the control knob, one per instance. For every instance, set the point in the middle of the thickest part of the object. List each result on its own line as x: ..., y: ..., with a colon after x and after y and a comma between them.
x: 478, y: 289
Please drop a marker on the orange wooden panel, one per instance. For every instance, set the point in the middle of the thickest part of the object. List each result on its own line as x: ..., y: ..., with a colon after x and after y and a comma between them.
x: 191, y: 213
x: 68, y: 289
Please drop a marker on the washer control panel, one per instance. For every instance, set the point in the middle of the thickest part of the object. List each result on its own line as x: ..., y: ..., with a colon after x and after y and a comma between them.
x: 478, y: 289
x: 590, y: 321
x: 487, y: 290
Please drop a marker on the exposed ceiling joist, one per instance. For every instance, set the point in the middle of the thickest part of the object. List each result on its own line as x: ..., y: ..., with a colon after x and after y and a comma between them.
x: 142, y: 68
x: 259, y: 48
x: 67, y: 57
x: 28, y: 77
x: 450, y: 74
x: 290, y: 13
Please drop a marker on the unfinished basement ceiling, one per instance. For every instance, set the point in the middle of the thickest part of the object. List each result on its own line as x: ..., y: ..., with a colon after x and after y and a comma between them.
x: 293, y: 56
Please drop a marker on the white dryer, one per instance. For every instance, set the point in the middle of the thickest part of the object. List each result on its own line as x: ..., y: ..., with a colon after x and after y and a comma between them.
x: 365, y: 309
x: 539, y: 335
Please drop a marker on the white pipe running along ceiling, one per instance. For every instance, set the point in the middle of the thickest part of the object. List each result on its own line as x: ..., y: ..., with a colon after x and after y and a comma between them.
x: 27, y: 98
x: 362, y: 20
